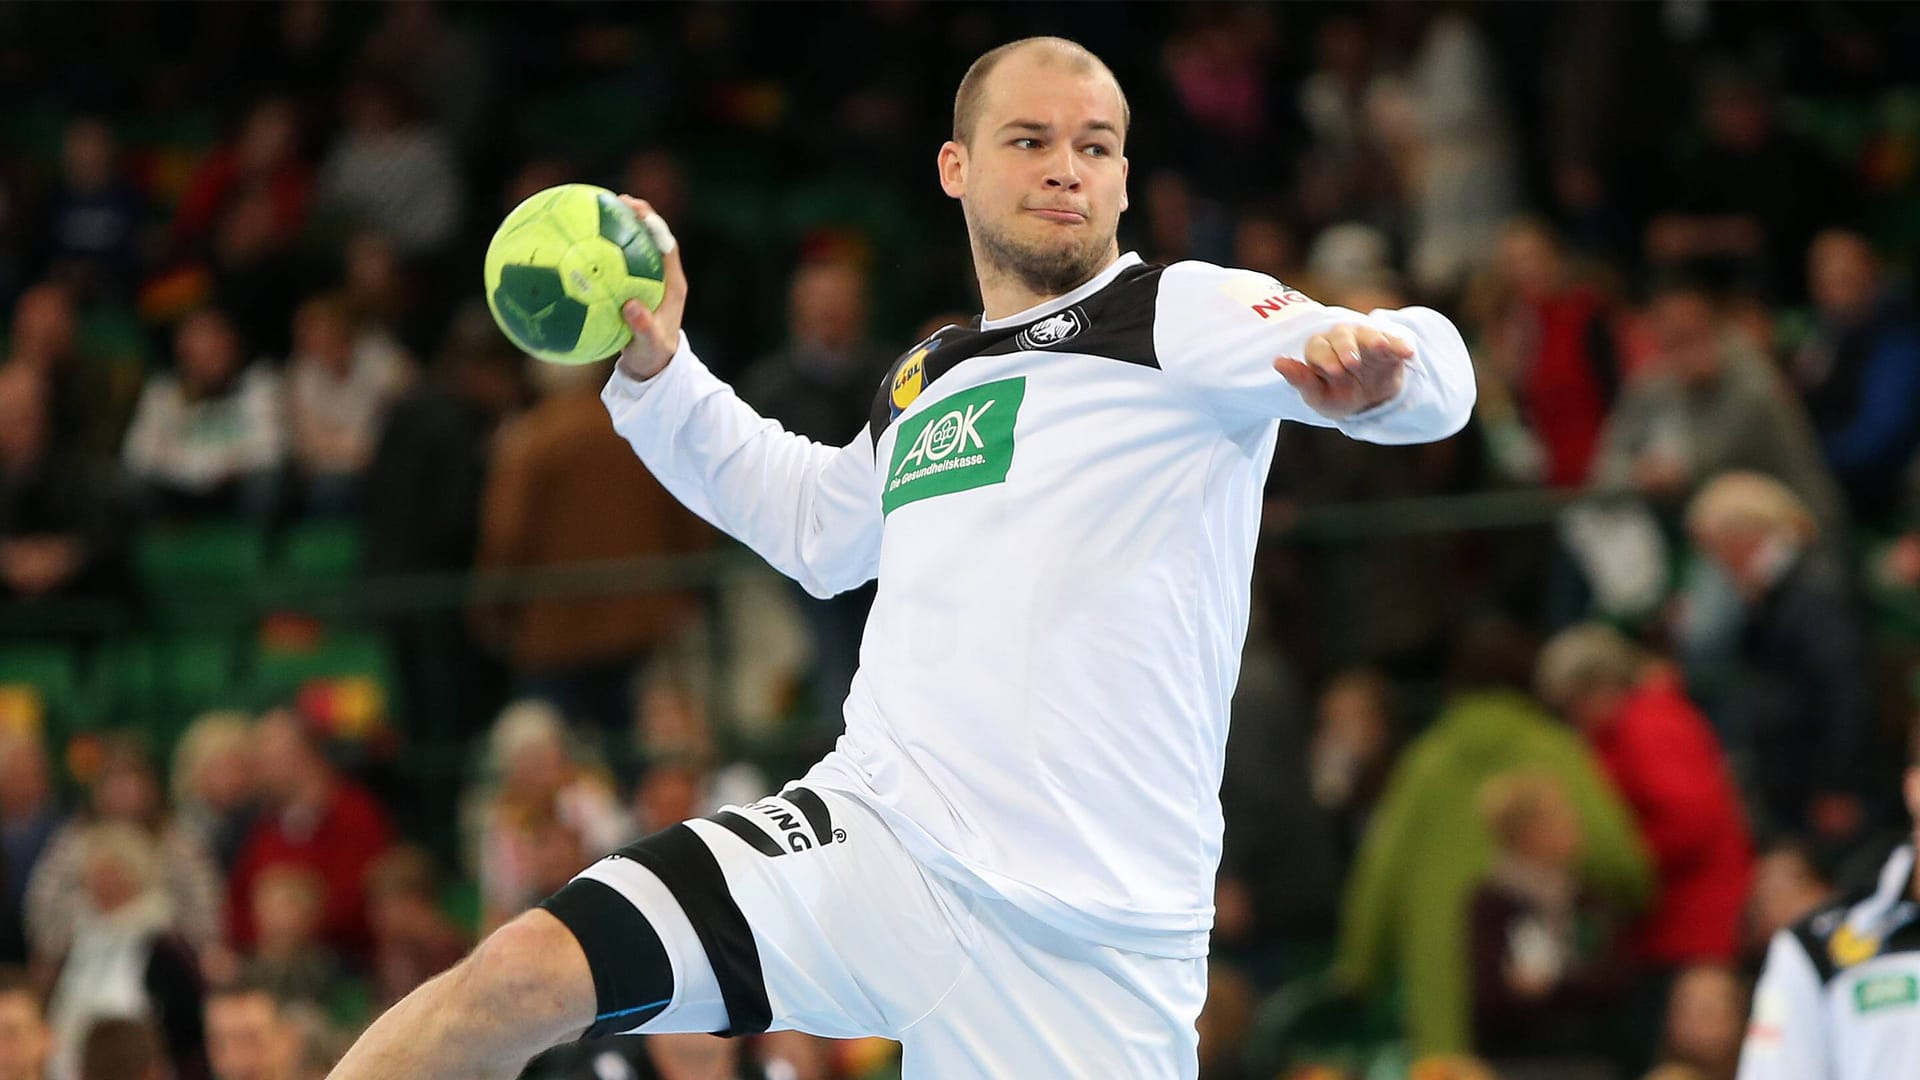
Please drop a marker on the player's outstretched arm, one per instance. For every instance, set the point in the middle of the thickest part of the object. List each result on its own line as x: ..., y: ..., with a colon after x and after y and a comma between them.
x: 1253, y: 349
x: 812, y: 511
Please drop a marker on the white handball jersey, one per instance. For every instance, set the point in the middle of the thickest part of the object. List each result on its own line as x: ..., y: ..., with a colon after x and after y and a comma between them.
x: 1840, y: 996
x: 1061, y: 508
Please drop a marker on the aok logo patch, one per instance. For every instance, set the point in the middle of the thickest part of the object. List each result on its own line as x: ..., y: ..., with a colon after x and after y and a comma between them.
x: 1886, y: 992
x: 963, y: 441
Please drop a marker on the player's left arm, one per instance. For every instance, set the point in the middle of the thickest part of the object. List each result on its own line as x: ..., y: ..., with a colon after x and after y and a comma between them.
x: 1250, y: 347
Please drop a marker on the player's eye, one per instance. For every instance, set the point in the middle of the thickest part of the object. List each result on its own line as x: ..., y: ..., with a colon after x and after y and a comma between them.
x: 1100, y: 150
x: 1026, y: 143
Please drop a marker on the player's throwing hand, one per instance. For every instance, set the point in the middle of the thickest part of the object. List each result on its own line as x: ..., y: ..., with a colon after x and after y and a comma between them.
x: 1347, y: 369
x: 656, y: 334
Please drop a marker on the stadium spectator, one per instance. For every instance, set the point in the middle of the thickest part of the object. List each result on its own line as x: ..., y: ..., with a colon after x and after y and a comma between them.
x: 25, y: 1041
x: 820, y: 384
x: 1353, y: 750
x: 389, y: 172
x: 563, y: 488
x: 1665, y: 761
x: 57, y: 534
x: 1549, y: 341
x: 1408, y: 897
x: 1547, y: 965
x: 90, y: 397
x: 210, y: 437
x: 288, y: 956
x: 214, y: 796
x: 1705, y: 405
x: 1808, y: 699
x: 249, y: 1036
x: 413, y: 939
x: 1859, y: 374
x: 123, y: 957
x: 420, y: 511
x: 536, y: 784
x: 264, y: 154
x: 313, y: 817
x: 124, y: 789
x: 341, y: 384
x: 29, y: 816
x: 118, y: 1048
x: 95, y: 216
x: 1346, y: 173
x: 1743, y: 207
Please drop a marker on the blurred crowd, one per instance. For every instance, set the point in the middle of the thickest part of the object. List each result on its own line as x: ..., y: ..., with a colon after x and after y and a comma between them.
x: 1517, y: 797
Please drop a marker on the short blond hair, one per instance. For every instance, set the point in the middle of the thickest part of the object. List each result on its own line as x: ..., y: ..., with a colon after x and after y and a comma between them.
x: 967, y: 101
x: 1750, y: 503
x: 1584, y: 658
x: 212, y: 733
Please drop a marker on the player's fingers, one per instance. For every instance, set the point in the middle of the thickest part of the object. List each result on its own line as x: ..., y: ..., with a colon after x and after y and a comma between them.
x: 1345, y: 342
x: 1303, y: 376
x: 1324, y: 354
x: 639, y: 319
x: 1378, y: 342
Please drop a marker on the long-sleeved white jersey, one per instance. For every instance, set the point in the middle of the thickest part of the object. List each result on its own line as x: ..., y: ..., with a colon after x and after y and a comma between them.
x: 1061, y: 507
x: 1840, y: 996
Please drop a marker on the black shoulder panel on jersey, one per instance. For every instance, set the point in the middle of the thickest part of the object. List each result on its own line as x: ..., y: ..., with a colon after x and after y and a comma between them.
x: 1816, y: 946
x: 1115, y: 323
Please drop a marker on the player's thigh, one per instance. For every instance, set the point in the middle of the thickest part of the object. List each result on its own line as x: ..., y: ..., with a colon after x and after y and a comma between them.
x: 1039, y: 1007
x: 799, y: 911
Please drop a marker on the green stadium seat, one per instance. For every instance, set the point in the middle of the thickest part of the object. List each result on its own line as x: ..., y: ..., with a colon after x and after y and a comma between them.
x: 195, y: 572
x: 320, y: 551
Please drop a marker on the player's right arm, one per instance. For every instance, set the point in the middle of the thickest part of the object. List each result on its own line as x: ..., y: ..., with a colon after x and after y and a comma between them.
x: 812, y: 511
x: 1787, y: 1036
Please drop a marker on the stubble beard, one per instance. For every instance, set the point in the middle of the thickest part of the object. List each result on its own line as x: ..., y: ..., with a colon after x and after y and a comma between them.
x: 1044, y: 270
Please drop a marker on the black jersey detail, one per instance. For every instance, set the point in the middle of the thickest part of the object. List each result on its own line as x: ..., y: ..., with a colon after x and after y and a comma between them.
x: 814, y: 809
x: 686, y: 866
x: 1115, y: 323
x: 632, y: 977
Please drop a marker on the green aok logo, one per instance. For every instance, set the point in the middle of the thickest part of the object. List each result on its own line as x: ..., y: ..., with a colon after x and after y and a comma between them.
x: 1884, y: 992
x: 959, y: 442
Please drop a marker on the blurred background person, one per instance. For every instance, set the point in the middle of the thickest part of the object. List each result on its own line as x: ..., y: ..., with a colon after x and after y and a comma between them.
x: 563, y: 488
x: 125, y: 789
x: 249, y: 1037
x: 315, y: 817
x: 537, y: 797
x: 57, y: 533
x: 1858, y: 372
x: 413, y: 939
x: 124, y: 957
x: 25, y: 1041
x: 1665, y: 761
x: 215, y: 799
x: 211, y: 436
x: 1807, y: 702
x: 338, y: 391
x: 117, y: 1048
x: 1547, y: 964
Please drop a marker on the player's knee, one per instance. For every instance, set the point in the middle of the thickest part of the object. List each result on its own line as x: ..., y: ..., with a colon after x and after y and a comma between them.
x: 532, y: 974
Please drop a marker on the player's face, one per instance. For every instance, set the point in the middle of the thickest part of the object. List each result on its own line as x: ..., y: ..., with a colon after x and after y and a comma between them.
x: 1043, y: 180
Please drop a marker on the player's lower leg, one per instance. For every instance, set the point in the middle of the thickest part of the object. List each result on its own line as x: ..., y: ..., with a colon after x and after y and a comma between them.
x: 527, y: 987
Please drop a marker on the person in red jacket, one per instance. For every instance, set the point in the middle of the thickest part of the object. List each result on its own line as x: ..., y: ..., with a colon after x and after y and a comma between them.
x: 314, y: 818
x: 1665, y: 760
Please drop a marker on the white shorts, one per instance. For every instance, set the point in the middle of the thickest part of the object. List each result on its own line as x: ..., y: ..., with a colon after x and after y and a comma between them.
x: 803, y: 911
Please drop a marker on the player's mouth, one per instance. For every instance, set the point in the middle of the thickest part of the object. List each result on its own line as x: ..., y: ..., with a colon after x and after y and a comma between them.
x: 1064, y: 217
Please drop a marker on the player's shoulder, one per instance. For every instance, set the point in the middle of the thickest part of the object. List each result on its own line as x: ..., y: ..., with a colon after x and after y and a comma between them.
x: 1874, y: 919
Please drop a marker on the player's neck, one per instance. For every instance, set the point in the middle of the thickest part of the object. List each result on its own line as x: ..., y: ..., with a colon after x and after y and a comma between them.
x: 1004, y: 293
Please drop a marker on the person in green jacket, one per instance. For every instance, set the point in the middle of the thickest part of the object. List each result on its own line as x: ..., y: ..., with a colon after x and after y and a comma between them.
x: 1405, y: 911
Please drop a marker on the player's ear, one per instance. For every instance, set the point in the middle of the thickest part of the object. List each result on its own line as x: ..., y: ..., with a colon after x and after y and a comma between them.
x: 953, y: 168
x: 1123, y: 185
x: 1913, y: 792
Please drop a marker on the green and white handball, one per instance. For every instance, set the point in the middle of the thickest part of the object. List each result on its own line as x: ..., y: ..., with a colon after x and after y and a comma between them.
x: 562, y: 265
